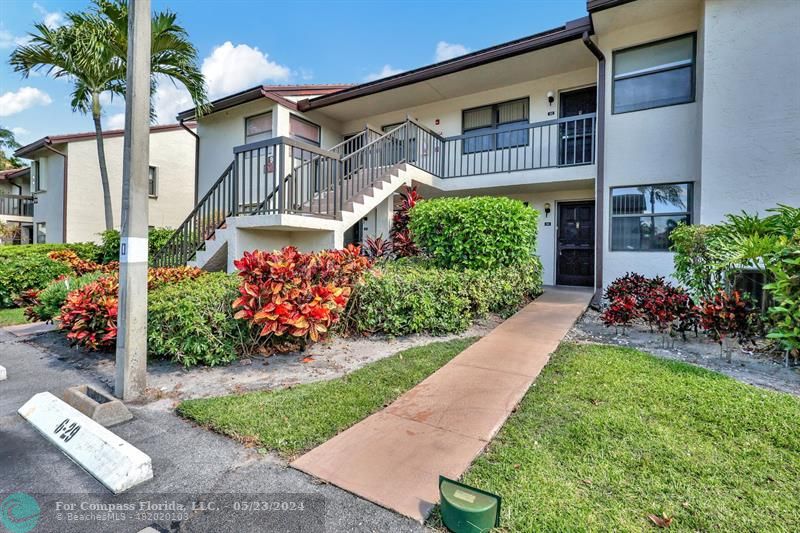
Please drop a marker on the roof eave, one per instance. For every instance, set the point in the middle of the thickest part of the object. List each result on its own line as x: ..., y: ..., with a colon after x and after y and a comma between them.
x: 32, y: 147
x: 570, y: 31
x: 593, y: 6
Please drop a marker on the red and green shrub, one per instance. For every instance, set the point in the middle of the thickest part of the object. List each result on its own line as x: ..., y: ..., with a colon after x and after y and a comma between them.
x: 89, y: 314
x: 293, y: 297
x: 621, y: 312
x: 656, y: 301
x: 81, y: 266
x: 730, y: 316
x: 402, y: 243
x: 156, y: 277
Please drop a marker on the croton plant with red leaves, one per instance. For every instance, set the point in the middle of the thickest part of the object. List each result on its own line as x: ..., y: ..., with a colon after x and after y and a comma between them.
x: 293, y: 297
x: 729, y: 315
x: 81, y: 266
x: 89, y: 314
x: 621, y: 312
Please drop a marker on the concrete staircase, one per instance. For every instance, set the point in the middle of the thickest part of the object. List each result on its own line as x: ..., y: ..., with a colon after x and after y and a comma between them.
x: 242, y: 233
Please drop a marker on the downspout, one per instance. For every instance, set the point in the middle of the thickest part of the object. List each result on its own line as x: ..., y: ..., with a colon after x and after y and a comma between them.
x: 64, y: 196
x: 600, y: 195
x: 196, y: 158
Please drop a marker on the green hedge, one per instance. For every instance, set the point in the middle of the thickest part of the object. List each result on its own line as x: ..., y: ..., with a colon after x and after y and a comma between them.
x: 474, y: 233
x: 156, y: 238
x: 415, y: 296
x: 191, y: 322
x: 28, y: 267
x: 54, y: 295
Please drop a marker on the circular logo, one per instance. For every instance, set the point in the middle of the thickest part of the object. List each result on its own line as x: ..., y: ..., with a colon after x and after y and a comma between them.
x: 19, y: 513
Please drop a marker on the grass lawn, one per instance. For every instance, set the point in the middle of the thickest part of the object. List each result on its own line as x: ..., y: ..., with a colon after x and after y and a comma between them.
x: 610, y: 435
x: 10, y: 317
x: 293, y: 420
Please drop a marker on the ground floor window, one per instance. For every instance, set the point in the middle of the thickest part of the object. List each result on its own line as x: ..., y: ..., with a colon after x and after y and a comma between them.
x: 642, y: 217
x: 41, y: 232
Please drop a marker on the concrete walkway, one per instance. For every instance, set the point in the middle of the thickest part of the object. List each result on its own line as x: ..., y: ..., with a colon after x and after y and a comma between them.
x: 394, y: 457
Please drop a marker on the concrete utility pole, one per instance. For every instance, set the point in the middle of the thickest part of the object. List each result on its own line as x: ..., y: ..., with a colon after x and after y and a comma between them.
x: 131, y: 371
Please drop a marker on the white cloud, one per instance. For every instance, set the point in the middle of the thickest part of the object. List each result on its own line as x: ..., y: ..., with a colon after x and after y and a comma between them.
x: 52, y: 19
x: 231, y: 68
x: 9, y: 40
x: 445, y: 50
x: 115, y: 122
x: 13, y: 102
x: 18, y: 132
x: 385, y: 72
x: 170, y: 100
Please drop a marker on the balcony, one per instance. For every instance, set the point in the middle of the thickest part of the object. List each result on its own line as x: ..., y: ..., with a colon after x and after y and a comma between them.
x: 16, y: 206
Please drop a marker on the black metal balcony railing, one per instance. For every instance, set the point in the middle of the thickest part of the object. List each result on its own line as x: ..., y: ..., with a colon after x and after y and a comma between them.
x: 287, y: 176
x: 16, y: 205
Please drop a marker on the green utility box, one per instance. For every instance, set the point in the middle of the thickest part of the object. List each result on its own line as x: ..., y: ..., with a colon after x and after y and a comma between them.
x: 466, y: 509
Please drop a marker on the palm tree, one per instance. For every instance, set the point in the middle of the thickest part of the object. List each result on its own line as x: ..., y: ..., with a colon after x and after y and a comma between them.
x: 7, y: 142
x: 91, y: 50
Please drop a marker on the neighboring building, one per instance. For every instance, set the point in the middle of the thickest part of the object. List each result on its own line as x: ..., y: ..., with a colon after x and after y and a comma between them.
x: 16, y: 206
x: 65, y: 180
x: 616, y: 127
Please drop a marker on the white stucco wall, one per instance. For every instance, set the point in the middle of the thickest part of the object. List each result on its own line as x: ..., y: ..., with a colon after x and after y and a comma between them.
x: 49, y: 206
x: 171, y: 152
x: 651, y: 146
x: 751, y: 107
x: 221, y: 132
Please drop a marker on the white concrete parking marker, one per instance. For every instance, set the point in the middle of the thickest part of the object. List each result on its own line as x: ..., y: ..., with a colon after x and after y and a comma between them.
x: 111, y: 460
x: 2, y: 372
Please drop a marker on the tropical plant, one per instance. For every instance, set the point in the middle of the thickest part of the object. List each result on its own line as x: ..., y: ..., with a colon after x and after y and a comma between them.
x: 89, y: 314
x: 8, y: 142
x: 707, y: 258
x: 621, y: 312
x: 292, y: 298
x: 90, y: 50
x: 729, y: 316
x: 50, y: 299
x: 402, y: 243
x: 377, y: 248
x: 785, y: 290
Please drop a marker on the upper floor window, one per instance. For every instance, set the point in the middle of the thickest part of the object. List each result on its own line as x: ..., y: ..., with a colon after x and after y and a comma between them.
x: 642, y: 217
x: 302, y: 129
x: 37, y: 181
x: 258, y: 127
x: 152, y: 182
x: 655, y: 74
x: 482, y: 124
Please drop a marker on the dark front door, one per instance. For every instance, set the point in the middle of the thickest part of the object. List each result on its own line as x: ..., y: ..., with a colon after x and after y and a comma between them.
x: 576, y: 135
x: 575, y: 246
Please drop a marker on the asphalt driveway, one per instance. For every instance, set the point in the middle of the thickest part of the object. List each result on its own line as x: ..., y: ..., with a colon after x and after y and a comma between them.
x: 202, y: 481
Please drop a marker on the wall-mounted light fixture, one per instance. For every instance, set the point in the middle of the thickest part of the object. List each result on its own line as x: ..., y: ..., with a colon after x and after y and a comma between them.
x: 551, y: 97
x: 546, y: 209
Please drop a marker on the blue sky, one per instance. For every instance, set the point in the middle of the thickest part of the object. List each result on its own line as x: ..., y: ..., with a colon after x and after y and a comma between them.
x: 243, y: 43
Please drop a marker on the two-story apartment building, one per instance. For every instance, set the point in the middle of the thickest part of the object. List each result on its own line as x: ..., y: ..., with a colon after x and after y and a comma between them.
x: 68, y: 194
x: 16, y: 206
x: 617, y: 127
